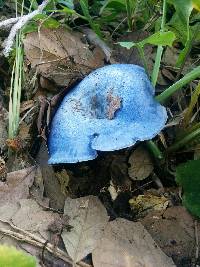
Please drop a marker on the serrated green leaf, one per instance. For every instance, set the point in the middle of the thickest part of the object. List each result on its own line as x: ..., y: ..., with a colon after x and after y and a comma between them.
x: 188, y: 176
x: 11, y: 257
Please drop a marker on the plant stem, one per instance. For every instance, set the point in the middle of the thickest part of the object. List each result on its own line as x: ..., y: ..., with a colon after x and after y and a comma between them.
x: 15, y: 91
x: 129, y: 14
x: 153, y: 148
x: 156, y: 67
x: 160, y: 48
x: 142, y: 56
x: 195, y: 73
x: 187, y: 50
x: 188, y: 138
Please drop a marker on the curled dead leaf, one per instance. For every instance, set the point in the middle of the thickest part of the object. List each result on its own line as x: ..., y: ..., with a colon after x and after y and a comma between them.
x: 61, y: 55
x: 141, y: 164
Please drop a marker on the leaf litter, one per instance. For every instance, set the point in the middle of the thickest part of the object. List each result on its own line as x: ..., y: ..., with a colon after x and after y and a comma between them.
x: 35, y: 217
x: 60, y: 55
x: 126, y: 243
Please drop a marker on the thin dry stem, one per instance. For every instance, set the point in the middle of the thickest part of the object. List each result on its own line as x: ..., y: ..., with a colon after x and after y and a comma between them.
x: 19, y: 23
x: 37, y: 241
x: 8, y: 22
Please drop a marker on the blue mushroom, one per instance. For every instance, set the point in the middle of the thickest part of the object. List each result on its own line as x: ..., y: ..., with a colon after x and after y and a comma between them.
x: 110, y: 109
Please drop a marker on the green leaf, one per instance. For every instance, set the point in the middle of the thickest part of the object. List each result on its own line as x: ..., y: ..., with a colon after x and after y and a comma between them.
x: 193, y: 102
x: 178, y: 27
x: 127, y: 45
x: 85, y: 8
x: 187, y: 176
x: 67, y: 3
x: 11, y: 257
x: 47, y: 22
x: 196, y: 4
x: 2, y: 2
x: 159, y: 38
x: 184, y: 10
x: 183, y: 54
x: 118, y: 5
x: 34, y: 4
x: 30, y: 27
x: 51, y: 23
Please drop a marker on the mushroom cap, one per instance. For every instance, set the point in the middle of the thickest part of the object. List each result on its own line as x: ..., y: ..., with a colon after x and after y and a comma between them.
x: 110, y: 109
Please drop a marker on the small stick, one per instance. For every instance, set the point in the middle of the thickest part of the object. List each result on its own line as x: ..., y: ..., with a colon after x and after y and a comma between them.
x: 37, y: 241
x: 19, y: 23
x: 8, y: 22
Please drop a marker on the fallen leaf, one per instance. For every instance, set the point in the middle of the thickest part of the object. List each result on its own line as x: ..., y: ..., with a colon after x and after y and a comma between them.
x: 32, y: 218
x: 126, y: 244
x: 173, y: 230
x: 97, y: 41
x: 16, y: 186
x: 141, y: 164
x: 170, y: 56
x: 149, y: 201
x: 63, y: 179
x: 61, y: 55
x: 26, y: 105
x: 48, y: 179
x: 88, y: 217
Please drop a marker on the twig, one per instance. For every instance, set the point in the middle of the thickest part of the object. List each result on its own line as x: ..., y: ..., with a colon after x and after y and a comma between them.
x: 19, y: 23
x: 37, y: 241
x: 8, y: 22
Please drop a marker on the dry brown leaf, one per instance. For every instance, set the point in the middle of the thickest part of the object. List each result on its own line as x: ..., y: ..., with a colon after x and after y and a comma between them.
x: 173, y: 231
x: 171, y: 55
x: 61, y: 55
x: 88, y: 217
x: 16, y: 186
x: 26, y: 105
x: 126, y: 244
x: 48, y: 181
x: 141, y: 164
x: 32, y: 218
